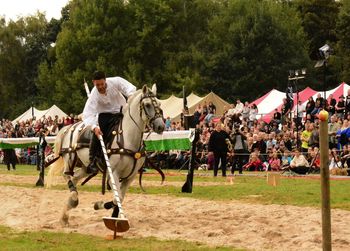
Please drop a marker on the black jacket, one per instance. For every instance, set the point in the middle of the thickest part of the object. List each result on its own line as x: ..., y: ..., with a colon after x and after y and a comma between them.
x: 217, y: 141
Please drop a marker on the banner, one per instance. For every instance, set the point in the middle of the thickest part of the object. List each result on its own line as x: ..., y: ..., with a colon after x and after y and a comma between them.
x: 10, y: 143
x: 170, y: 140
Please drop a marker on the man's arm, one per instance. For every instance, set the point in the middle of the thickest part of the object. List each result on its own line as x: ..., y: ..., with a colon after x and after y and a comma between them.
x: 90, y: 112
x: 124, y: 86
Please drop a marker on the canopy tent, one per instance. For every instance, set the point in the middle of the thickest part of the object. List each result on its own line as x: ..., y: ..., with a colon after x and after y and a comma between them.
x: 274, y: 99
x: 173, y: 106
x: 38, y: 114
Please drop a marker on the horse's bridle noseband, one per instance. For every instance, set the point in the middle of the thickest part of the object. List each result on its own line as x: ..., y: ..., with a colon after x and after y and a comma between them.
x: 158, y: 113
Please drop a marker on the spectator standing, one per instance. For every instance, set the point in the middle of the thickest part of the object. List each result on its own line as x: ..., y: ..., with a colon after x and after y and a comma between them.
x: 245, y: 111
x: 240, y: 148
x: 277, y: 117
x: 310, y: 105
x: 340, y: 107
x: 167, y: 124
x: 239, y: 107
x: 331, y: 105
x: 305, y: 136
x: 218, y: 146
x: 285, y: 110
x: 299, y: 113
x: 347, y: 104
x: 252, y: 114
x: 333, y: 127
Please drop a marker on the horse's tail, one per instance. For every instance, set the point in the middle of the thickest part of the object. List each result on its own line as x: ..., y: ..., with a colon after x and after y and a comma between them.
x: 56, y: 168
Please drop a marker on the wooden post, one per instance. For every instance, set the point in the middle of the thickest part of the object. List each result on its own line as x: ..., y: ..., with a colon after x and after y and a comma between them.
x: 325, y: 190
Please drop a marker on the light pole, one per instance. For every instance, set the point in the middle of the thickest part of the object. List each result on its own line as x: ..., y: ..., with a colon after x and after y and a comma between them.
x: 294, y: 76
x: 324, y: 53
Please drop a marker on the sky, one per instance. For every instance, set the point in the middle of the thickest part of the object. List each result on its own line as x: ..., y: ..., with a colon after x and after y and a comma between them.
x: 11, y: 9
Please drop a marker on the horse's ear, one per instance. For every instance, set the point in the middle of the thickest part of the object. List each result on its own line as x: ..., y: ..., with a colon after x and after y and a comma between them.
x: 144, y: 89
x: 154, y: 89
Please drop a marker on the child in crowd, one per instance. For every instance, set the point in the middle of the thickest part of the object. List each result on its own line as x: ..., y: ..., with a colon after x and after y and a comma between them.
x: 254, y: 164
x: 275, y: 162
x: 286, y: 159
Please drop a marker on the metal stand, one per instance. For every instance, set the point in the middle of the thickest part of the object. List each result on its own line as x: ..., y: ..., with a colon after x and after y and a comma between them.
x: 187, y: 187
x: 41, y: 159
x: 115, y: 224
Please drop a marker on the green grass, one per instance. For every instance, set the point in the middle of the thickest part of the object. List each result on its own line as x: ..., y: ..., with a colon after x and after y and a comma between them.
x: 27, y: 241
x: 299, y: 192
x: 20, y: 170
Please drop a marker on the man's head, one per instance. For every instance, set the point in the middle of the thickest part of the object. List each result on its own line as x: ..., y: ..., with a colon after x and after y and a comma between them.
x: 99, y: 80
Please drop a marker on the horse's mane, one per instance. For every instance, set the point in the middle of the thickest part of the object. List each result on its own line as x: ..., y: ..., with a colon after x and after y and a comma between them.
x: 134, y: 95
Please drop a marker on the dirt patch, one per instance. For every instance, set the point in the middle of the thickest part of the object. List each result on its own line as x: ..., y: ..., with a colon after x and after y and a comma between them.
x: 253, y: 226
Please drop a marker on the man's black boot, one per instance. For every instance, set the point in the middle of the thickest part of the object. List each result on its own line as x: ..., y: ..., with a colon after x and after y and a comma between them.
x: 93, y: 150
x: 92, y: 167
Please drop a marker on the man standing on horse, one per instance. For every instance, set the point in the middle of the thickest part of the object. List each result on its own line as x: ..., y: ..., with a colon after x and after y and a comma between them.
x: 103, y: 109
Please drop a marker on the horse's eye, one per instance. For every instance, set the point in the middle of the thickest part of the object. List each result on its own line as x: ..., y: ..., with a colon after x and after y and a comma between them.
x: 148, y: 105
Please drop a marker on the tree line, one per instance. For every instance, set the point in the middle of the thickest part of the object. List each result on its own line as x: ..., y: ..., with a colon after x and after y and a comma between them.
x: 236, y: 48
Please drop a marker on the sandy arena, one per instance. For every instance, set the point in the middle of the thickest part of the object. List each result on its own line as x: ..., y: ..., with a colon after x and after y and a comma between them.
x: 234, y: 223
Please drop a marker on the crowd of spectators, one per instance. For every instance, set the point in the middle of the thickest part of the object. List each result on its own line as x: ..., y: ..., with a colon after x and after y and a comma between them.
x: 289, y: 140
x: 29, y: 128
x: 32, y: 127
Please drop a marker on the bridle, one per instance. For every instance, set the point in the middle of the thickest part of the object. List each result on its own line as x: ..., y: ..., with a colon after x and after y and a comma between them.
x: 158, y: 113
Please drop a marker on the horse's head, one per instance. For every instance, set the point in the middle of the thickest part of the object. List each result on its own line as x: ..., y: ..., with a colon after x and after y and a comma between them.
x: 150, y: 107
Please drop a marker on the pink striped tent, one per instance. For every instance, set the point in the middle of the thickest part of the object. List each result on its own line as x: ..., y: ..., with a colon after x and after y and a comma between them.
x: 274, y: 99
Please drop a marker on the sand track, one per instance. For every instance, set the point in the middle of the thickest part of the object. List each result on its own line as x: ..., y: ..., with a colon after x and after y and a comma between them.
x: 253, y: 226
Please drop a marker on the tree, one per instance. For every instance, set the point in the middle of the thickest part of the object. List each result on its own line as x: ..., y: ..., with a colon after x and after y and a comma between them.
x: 95, y: 35
x: 343, y: 46
x: 251, y: 46
x: 23, y: 46
x: 319, y: 21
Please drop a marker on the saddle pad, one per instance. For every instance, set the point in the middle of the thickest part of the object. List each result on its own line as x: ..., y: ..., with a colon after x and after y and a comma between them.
x: 85, y: 136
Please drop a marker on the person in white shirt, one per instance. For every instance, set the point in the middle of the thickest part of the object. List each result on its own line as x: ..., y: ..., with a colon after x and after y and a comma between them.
x: 103, y: 109
x: 299, y: 164
x: 239, y: 107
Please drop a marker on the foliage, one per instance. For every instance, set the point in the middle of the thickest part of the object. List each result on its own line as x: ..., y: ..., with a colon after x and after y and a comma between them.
x: 319, y: 19
x: 343, y: 32
x: 253, y: 44
x: 236, y: 48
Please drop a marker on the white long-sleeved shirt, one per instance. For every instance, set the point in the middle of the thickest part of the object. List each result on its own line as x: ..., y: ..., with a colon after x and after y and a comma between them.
x: 111, y: 102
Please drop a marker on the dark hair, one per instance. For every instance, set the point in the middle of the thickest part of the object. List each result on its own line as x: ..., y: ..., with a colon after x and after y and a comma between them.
x: 99, y: 75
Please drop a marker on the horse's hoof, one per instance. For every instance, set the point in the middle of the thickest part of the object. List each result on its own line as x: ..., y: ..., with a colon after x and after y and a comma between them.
x: 64, y: 221
x: 98, y: 205
x: 73, y: 200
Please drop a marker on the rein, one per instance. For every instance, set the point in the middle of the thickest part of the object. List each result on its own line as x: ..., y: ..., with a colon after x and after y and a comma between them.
x: 150, y: 119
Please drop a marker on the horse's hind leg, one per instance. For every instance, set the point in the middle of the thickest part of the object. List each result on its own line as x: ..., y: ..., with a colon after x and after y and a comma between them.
x: 72, y: 202
x: 73, y: 199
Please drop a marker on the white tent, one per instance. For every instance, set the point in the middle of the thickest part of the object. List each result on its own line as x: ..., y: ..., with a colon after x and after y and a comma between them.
x: 172, y: 106
x: 274, y: 99
x: 38, y: 114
